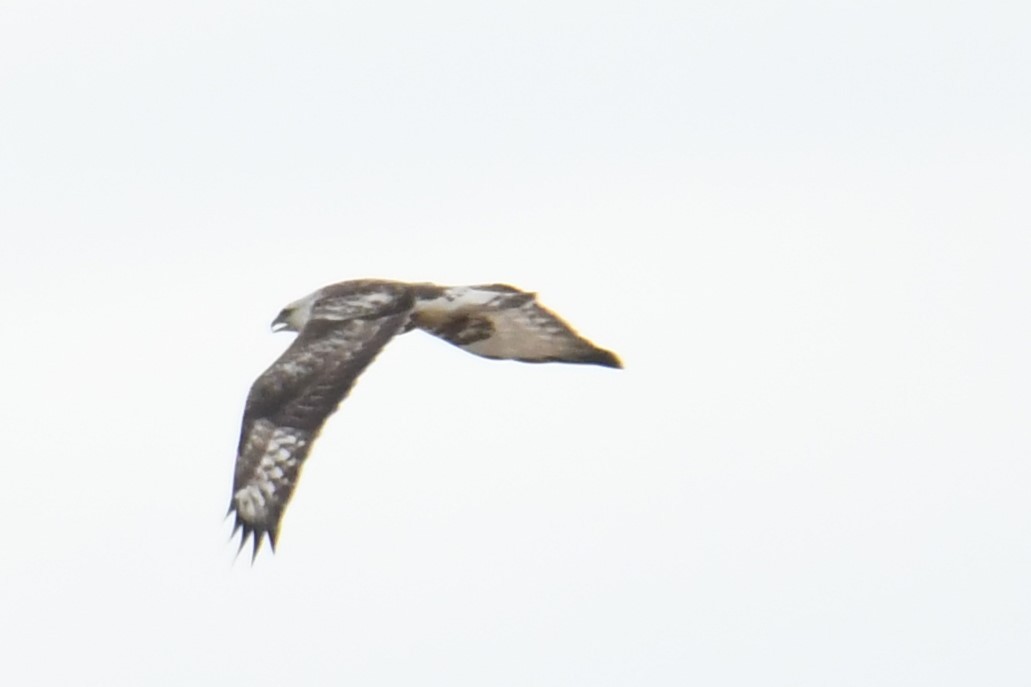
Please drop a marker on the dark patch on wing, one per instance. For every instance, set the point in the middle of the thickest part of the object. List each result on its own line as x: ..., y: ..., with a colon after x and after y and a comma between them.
x: 500, y: 288
x: 462, y: 330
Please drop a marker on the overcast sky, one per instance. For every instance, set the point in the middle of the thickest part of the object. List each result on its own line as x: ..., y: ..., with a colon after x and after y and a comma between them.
x: 803, y: 225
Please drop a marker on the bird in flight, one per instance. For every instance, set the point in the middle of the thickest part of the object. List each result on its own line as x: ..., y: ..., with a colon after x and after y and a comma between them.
x: 340, y: 330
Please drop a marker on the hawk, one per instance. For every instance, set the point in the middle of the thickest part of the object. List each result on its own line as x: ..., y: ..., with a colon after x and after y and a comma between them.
x: 340, y: 330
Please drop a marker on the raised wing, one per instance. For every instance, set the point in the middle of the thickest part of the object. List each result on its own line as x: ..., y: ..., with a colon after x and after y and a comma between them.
x: 502, y: 322
x: 291, y: 400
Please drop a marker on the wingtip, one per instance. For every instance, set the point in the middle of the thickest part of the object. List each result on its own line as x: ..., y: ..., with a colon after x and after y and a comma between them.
x: 244, y: 534
x: 606, y: 359
x: 258, y: 538
x: 256, y: 535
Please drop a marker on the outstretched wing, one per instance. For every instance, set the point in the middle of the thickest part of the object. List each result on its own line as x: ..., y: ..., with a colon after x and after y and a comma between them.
x: 291, y: 400
x: 500, y: 321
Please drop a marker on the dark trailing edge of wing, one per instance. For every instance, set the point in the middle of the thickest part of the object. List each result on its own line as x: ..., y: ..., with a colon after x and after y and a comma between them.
x: 597, y: 357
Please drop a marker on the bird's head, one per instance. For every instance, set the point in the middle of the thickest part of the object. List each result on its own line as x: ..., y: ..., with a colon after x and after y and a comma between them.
x: 293, y: 317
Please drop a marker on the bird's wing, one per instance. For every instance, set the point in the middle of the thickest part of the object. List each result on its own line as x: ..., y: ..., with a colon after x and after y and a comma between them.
x: 500, y: 321
x: 288, y: 404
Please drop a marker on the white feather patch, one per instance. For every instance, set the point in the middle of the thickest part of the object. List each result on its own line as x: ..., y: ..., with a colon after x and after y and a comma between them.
x: 252, y: 500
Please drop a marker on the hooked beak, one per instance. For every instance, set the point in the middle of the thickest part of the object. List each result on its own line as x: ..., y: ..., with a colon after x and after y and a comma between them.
x: 280, y: 323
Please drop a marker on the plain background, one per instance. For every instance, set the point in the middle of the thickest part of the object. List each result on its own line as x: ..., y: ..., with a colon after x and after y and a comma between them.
x: 803, y: 225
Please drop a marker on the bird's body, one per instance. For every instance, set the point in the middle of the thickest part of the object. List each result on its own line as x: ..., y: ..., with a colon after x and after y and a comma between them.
x: 341, y: 328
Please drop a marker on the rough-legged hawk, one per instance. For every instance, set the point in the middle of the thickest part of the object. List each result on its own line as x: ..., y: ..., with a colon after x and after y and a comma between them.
x: 341, y: 328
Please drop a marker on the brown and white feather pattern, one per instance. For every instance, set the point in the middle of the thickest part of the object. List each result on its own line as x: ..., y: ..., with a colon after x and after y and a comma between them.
x: 502, y: 322
x: 341, y: 328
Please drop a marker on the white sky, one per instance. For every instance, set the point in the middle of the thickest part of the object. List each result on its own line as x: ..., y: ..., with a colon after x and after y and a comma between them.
x: 803, y: 225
